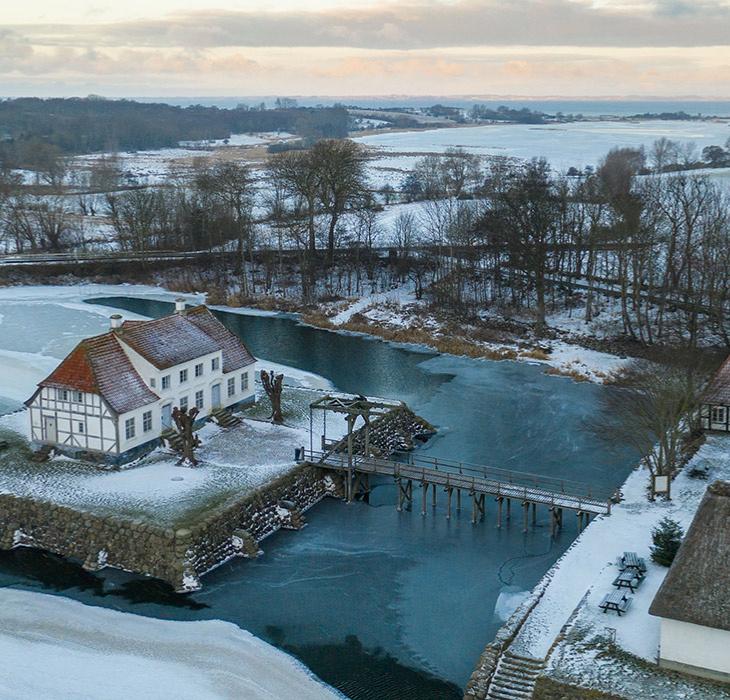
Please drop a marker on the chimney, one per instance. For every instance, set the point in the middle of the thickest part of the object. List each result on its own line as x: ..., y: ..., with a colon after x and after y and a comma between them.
x: 179, y: 305
x: 115, y: 321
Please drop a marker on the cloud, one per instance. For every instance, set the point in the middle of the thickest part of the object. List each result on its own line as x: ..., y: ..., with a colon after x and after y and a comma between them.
x: 420, y: 24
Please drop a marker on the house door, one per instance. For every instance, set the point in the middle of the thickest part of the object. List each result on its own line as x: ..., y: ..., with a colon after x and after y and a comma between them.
x: 50, y: 426
x: 215, y: 398
x: 167, y: 416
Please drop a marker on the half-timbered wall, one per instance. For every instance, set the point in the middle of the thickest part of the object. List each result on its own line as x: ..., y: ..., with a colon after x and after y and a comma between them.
x: 715, y: 417
x: 81, y: 420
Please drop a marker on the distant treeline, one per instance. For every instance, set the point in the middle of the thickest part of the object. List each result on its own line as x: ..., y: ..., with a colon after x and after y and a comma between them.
x: 506, y: 114
x: 88, y: 125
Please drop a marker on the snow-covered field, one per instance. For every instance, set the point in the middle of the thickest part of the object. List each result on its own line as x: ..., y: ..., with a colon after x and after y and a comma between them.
x: 57, y: 649
x: 564, y: 145
x: 585, y: 573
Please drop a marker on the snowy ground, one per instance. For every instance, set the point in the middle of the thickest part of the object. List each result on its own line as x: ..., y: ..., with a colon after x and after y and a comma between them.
x: 54, y: 648
x: 399, y: 310
x: 584, y: 575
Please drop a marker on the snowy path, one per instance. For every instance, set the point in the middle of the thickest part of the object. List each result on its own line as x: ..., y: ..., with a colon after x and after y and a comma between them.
x: 402, y: 294
x: 54, y: 648
x: 589, y: 565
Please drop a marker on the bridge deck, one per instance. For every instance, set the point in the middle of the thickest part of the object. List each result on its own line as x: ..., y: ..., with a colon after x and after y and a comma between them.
x: 521, y: 486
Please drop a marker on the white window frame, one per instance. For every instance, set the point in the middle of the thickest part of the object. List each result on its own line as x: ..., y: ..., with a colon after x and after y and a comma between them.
x: 215, y: 364
x: 183, y: 403
x: 231, y: 387
x: 166, y: 381
x: 130, y: 429
x: 79, y: 396
x: 183, y: 376
x: 147, y: 421
x: 718, y: 414
x: 199, y: 370
x: 244, y: 381
x: 82, y: 427
x: 153, y: 382
x: 199, y: 398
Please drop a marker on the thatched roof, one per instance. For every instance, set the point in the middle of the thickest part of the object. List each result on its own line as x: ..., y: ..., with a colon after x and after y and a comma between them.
x: 696, y: 588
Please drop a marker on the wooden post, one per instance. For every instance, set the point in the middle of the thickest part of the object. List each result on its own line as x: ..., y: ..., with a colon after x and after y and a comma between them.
x: 534, y: 514
x: 433, y: 495
x: 449, y: 489
x: 509, y: 508
x: 473, y: 508
x: 525, y: 511
x: 458, y: 500
x: 399, y: 507
x: 500, y: 499
x: 424, y: 491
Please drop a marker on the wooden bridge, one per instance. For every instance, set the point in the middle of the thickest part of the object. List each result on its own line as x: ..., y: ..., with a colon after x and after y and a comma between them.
x: 529, y: 490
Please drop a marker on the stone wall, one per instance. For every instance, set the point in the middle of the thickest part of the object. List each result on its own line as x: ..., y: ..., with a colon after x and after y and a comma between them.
x: 178, y: 556
x: 93, y: 540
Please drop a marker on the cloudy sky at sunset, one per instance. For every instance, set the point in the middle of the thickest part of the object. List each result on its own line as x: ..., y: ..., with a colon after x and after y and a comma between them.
x: 365, y: 47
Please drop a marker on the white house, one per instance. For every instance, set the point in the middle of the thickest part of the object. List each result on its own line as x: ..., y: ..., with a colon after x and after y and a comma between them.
x: 693, y: 603
x: 114, y: 393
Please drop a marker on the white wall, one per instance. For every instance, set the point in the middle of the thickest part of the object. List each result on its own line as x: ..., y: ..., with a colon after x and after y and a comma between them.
x: 693, y: 645
x: 99, y: 429
x: 241, y: 393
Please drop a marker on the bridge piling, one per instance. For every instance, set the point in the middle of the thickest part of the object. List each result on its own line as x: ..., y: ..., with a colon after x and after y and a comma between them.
x: 448, y: 490
x: 424, y: 493
x: 499, y: 500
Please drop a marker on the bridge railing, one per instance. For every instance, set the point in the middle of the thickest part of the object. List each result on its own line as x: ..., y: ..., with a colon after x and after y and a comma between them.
x: 511, y: 484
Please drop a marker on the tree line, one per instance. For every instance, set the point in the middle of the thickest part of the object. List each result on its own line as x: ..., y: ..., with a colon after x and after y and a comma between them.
x: 34, y: 130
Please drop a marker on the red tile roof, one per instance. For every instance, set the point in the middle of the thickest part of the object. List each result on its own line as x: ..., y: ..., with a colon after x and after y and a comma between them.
x: 100, y: 366
x: 235, y: 353
x: 718, y: 392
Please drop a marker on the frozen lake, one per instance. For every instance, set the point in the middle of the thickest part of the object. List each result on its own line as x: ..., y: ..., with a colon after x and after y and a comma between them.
x: 382, y: 605
x: 564, y: 145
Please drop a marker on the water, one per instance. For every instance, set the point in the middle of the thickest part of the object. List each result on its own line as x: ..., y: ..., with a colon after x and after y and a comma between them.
x: 384, y: 605
x: 576, y: 144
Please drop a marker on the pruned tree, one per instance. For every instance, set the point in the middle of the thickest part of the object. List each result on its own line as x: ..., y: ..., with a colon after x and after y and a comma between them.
x: 272, y: 384
x: 184, y: 421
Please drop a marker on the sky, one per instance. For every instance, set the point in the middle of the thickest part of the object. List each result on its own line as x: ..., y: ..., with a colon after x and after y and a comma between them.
x: 538, y: 48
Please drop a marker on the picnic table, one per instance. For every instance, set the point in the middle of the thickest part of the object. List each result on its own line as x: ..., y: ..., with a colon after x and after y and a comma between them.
x: 628, y: 579
x: 630, y: 560
x: 616, y: 602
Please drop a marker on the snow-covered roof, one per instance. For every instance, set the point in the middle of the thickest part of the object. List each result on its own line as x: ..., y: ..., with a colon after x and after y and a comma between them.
x: 718, y: 392
x: 696, y: 588
x: 167, y: 341
x: 99, y: 365
x: 235, y: 353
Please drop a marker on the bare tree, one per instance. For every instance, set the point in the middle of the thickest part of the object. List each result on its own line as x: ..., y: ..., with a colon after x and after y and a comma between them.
x: 184, y: 422
x: 272, y: 386
x: 654, y: 411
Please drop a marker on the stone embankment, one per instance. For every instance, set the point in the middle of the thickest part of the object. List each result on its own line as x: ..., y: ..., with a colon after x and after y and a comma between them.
x: 179, y: 556
x: 183, y: 554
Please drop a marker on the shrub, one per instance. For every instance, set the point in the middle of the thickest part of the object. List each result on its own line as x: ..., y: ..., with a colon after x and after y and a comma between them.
x: 666, y: 536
